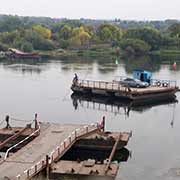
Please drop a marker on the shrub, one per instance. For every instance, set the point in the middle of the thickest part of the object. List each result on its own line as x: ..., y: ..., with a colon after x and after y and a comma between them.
x: 27, y: 47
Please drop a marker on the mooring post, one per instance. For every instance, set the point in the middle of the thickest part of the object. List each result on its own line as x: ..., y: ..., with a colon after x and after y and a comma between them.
x: 36, y: 123
x: 47, y: 166
x: 7, y: 122
x: 86, y: 129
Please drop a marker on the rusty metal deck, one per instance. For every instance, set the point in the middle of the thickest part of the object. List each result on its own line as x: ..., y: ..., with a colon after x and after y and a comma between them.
x: 83, y: 168
x: 124, y: 135
x: 13, y: 130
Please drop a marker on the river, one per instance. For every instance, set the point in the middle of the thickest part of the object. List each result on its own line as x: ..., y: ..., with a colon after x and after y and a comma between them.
x: 44, y: 88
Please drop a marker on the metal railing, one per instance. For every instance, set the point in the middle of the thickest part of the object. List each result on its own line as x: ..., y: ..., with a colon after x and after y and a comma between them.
x: 58, y: 152
x: 163, y: 83
x: 7, y: 152
x: 114, y: 85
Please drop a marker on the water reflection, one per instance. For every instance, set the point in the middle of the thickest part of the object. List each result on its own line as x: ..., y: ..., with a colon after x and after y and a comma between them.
x: 108, y: 68
x: 142, y: 62
x: 115, y: 106
x: 25, y: 68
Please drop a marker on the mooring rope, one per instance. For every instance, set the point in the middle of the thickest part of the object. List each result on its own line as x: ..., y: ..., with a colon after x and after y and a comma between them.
x: 21, y: 120
x: 65, y: 96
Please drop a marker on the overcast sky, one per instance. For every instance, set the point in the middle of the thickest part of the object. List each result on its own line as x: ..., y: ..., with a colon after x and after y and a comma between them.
x: 94, y: 9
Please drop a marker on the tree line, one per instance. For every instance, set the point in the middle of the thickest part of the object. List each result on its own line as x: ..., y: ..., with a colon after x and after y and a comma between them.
x: 29, y: 33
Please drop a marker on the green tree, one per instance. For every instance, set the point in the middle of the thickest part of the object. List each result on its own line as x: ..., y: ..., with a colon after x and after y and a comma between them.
x: 27, y: 47
x: 174, y: 30
x: 10, y: 23
x: 134, y: 46
x: 65, y: 32
x: 105, y: 34
x: 38, y: 41
x: 80, y: 37
x: 43, y: 31
x: 46, y: 45
x: 3, y: 47
x: 109, y: 33
x: 9, y: 37
x: 150, y: 35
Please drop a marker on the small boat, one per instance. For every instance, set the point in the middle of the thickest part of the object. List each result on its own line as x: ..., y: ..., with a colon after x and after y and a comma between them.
x: 16, y: 54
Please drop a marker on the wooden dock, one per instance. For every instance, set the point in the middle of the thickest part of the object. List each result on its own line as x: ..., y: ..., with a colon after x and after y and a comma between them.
x: 114, y: 89
x: 54, y: 140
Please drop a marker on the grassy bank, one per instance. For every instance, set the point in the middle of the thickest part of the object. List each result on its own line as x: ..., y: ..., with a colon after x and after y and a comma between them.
x: 166, y: 55
x: 166, y: 52
x: 60, y: 53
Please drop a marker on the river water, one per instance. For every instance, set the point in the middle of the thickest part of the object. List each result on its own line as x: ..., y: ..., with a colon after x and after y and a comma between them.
x: 44, y: 88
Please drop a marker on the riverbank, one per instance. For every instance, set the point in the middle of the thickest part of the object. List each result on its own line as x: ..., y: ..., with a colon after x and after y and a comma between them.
x: 61, y: 53
x: 166, y: 53
x: 107, y: 52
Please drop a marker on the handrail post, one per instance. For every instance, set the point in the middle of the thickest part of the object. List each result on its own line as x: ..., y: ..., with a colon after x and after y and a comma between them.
x: 75, y: 134
x: 35, y: 168
x: 88, y: 83
x: 52, y: 158
x: 47, y: 166
x: 42, y: 163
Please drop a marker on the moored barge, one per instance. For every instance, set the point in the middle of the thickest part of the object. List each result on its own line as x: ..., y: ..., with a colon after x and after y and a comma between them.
x: 158, y: 90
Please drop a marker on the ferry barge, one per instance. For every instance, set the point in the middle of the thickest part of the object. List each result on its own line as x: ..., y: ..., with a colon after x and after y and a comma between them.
x: 157, y: 89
